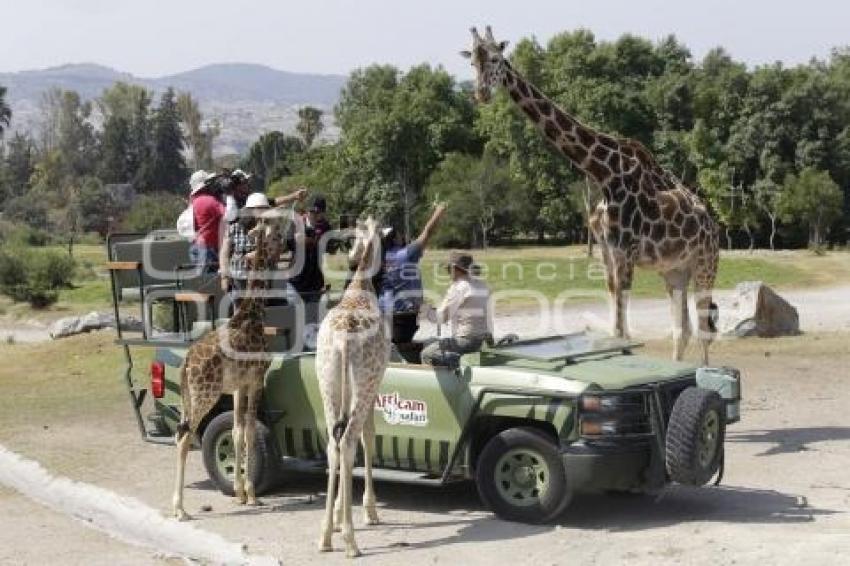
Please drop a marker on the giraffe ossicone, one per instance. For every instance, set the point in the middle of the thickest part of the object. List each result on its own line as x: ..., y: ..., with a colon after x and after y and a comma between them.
x: 647, y: 216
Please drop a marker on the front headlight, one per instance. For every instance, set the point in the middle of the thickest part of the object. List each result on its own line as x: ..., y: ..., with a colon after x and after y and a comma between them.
x: 616, y: 402
x: 613, y: 414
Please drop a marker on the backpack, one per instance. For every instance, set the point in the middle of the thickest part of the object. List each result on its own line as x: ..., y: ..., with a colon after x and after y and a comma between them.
x: 186, y: 223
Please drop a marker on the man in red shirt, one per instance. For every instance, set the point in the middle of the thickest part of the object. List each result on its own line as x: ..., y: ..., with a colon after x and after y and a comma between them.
x: 208, y: 212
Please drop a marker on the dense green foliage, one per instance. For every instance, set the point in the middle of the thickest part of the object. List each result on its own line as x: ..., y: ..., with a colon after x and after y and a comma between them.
x: 768, y: 148
x: 34, y: 275
x: 732, y: 133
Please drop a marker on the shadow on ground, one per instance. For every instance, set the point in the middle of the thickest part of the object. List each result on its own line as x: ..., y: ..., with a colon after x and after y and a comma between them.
x: 458, y: 504
x: 790, y: 440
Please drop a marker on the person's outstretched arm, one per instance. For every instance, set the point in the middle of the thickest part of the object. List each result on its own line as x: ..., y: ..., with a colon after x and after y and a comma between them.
x: 300, y: 194
x: 430, y: 226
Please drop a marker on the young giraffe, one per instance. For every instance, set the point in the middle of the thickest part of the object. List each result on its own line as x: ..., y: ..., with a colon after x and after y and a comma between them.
x: 647, y: 217
x: 233, y: 360
x: 352, y: 353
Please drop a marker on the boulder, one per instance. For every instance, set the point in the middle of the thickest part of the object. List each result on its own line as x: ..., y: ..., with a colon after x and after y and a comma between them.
x: 754, y: 309
x: 94, y: 320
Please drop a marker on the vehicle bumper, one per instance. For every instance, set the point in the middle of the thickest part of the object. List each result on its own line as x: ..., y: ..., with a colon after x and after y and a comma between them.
x: 596, y: 466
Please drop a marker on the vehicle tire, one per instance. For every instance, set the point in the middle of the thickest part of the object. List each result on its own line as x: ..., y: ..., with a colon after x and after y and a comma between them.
x: 695, y: 435
x: 520, y: 477
x: 219, y: 456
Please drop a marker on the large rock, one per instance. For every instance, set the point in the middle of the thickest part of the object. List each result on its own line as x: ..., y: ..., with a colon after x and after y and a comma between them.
x: 756, y: 310
x: 72, y: 325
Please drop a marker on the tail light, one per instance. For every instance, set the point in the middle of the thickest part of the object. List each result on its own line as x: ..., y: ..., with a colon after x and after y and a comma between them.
x: 157, y: 379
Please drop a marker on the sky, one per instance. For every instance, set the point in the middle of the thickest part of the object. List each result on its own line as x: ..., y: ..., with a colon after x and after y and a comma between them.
x: 151, y: 38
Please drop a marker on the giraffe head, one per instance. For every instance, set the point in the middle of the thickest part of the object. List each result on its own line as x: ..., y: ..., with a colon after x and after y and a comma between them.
x: 488, y: 59
x: 263, y: 235
x: 365, y: 251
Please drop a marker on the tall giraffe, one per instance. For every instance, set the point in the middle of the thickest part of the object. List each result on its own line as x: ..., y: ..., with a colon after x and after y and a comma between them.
x: 229, y: 360
x: 352, y: 353
x: 647, y: 217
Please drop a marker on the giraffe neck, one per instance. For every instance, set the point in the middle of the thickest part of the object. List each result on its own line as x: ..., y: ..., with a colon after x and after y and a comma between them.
x: 361, y: 280
x: 252, y: 306
x: 595, y: 154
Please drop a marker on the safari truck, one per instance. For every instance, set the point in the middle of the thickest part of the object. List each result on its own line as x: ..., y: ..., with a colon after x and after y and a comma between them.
x: 530, y: 421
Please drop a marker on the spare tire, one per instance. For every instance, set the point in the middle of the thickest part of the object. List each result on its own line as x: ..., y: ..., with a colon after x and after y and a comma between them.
x: 695, y: 435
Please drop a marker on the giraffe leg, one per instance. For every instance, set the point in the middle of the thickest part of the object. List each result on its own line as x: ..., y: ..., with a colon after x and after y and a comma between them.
x: 184, y: 441
x: 239, y: 406
x: 338, y: 518
x: 611, y: 285
x: 348, y: 450
x: 368, y: 439
x: 706, y: 310
x: 677, y: 289
x: 333, y: 465
x: 250, y: 433
x: 623, y: 270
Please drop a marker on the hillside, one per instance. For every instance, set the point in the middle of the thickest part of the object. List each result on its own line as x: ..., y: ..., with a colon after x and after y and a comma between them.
x: 246, y: 99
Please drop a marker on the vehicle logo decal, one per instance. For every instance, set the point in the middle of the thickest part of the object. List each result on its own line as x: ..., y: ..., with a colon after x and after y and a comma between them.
x: 400, y: 411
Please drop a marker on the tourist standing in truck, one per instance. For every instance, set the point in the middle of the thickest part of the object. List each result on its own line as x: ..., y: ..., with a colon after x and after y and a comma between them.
x: 401, y: 286
x: 207, y: 211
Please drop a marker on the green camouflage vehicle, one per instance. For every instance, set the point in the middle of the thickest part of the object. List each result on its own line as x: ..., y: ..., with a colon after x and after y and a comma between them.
x: 530, y: 421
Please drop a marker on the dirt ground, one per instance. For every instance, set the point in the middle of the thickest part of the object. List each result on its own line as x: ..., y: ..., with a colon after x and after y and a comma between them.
x: 785, y: 497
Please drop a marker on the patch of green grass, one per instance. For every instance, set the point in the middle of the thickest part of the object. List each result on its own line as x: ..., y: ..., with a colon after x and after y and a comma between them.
x: 64, y: 379
x: 552, y: 271
x: 584, y: 278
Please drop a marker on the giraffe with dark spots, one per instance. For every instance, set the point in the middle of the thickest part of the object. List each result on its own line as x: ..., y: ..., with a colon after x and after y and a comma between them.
x: 230, y: 360
x: 628, y: 175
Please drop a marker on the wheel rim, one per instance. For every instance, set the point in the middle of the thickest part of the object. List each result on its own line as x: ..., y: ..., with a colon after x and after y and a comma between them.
x: 225, y: 455
x: 709, y: 433
x: 522, y: 477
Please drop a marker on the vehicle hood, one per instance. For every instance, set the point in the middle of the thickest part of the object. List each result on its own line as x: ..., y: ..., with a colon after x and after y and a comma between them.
x: 610, y: 372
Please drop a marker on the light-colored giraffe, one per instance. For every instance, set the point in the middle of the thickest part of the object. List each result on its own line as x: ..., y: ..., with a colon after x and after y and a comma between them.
x: 352, y: 353
x: 230, y: 360
x: 647, y: 217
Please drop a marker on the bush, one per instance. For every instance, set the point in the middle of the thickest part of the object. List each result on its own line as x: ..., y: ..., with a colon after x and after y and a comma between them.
x: 22, y: 234
x: 154, y: 212
x: 34, y: 276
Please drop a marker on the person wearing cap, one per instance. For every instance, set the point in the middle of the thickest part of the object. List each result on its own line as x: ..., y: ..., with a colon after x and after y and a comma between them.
x: 207, y: 212
x: 237, y: 197
x: 237, y: 246
x: 310, y: 281
x: 401, y: 284
x: 466, y: 307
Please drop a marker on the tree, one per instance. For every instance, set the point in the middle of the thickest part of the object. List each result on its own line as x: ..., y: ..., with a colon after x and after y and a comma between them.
x: 481, y: 196
x: 309, y: 124
x: 19, y: 165
x: 126, y: 137
x: 5, y: 111
x: 272, y: 157
x: 768, y: 198
x: 169, y: 170
x: 115, y: 163
x: 813, y: 198
x: 395, y: 129
x: 198, y: 137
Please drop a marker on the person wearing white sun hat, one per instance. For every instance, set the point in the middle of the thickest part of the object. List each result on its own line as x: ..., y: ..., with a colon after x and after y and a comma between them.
x: 206, y: 213
x: 237, y: 246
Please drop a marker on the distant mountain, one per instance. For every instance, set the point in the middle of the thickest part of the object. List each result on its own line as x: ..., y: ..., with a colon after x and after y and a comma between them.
x: 246, y: 99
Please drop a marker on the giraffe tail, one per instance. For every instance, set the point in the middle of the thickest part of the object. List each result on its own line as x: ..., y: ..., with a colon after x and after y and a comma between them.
x: 713, y: 316
x: 341, y: 423
x: 183, y: 427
